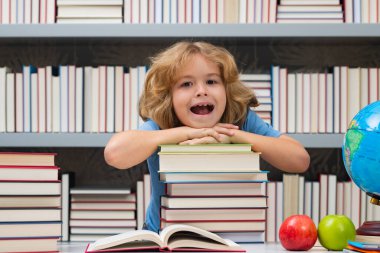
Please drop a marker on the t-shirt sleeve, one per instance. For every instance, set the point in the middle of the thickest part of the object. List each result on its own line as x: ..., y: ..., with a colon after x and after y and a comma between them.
x: 254, y: 124
x: 149, y: 125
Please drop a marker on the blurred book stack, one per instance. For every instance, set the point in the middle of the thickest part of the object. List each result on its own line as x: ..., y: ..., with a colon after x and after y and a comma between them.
x: 262, y: 87
x: 309, y: 11
x: 98, y: 213
x: 216, y: 187
x: 364, y: 247
x: 368, y: 232
x: 30, y: 202
x: 89, y: 11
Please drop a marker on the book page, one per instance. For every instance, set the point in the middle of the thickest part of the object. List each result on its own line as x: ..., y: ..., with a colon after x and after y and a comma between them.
x: 183, y: 243
x: 168, y: 233
x: 122, y: 240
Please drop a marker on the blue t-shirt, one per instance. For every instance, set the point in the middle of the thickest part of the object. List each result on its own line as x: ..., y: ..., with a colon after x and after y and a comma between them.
x: 253, y: 124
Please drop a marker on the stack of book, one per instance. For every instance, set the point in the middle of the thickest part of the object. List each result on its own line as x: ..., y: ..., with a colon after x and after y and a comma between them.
x: 364, y: 247
x: 30, y: 200
x: 262, y: 86
x: 98, y: 213
x: 306, y: 11
x: 368, y: 232
x: 216, y: 187
x: 89, y: 11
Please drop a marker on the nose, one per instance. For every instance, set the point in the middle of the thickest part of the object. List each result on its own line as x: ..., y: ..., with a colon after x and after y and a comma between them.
x: 201, y: 89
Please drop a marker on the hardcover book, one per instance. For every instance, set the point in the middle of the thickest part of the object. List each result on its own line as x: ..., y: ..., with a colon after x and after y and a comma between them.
x: 27, y: 159
x: 209, y: 148
x: 173, y: 238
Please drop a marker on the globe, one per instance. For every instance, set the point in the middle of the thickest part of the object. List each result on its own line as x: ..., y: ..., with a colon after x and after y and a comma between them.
x: 361, y: 150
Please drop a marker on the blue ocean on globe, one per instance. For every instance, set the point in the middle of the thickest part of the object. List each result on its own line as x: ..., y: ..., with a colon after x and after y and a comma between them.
x: 361, y: 149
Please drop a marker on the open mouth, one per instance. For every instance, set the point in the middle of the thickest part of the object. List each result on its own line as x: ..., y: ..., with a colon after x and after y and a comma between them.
x: 202, y: 109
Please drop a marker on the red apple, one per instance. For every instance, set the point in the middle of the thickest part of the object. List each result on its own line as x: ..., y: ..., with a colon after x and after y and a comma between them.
x: 298, y: 232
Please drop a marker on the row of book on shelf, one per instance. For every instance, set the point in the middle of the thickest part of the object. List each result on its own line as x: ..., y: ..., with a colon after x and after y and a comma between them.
x: 105, y: 98
x: 218, y: 188
x: 188, y: 11
x: 84, y: 99
x: 321, y: 102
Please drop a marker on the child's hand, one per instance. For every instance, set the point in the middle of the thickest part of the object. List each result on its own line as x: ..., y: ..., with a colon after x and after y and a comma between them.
x: 219, y: 132
x: 207, y: 140
x: 225, y: 128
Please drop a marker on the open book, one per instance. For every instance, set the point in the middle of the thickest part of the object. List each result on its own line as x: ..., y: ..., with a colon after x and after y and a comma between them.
x: 176, y: 237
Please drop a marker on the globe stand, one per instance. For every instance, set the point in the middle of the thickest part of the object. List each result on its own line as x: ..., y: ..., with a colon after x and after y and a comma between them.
x: 370, y: 228
x: 375, y: 201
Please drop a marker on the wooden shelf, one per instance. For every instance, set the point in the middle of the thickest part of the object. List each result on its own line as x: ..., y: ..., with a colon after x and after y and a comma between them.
x: 189, y: 30
x: 100, y: 140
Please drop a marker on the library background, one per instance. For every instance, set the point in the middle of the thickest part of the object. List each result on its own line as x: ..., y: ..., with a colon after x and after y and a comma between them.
x: 71, y: 73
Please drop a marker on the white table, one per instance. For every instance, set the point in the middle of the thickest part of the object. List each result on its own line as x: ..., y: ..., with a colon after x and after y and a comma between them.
x: 77, y: 247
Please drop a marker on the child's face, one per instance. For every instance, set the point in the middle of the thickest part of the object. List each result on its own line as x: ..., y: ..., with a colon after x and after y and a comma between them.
x: 199, y: 95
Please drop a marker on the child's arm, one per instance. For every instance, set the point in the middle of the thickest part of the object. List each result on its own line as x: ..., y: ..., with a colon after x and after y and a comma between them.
x: 283, y: 152
x: 129, y: 148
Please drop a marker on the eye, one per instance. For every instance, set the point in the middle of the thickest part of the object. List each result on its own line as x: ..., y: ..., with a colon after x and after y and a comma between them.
x: 186, y: 84
x: 211, y: 82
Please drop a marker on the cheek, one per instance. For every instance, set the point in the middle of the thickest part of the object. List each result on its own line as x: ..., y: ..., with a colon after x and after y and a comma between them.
x: 179, y: 104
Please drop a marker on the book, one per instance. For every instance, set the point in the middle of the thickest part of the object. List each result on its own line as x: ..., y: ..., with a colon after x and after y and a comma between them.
x: 98, y: 205
x: 221, y: 226
x: 102, y: 214
x: 220, y: 214
x: 173, y: 238
x: 244, y: 236
x: 30, y: 187
x: 91, y: 11
x: 28, y: 201
x: 89, y: 2
x: 40, y: 173
x: 216, y: 189
x: 197, y: 177
x: 214, y: 202
x: 209, y: 161
x: 99, y: 230
x: 209, y: 148
x: 100, y: 191
x: 363, y: 247
x: 371, y: 228
x: 367, y: 238
x: 27, y: 214
x: 42, y: 244
x: 27, y: 159
x: 103, y: 197
x: 102, y: 223
x: 30, y: 229
x: 310, y: 2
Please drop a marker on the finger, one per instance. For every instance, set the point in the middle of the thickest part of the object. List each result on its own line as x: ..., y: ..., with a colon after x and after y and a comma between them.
x: 223, y: 130
x: 228, y: 125
x: 188, y: 142
x: 212, y: 133
x: 206, y: 140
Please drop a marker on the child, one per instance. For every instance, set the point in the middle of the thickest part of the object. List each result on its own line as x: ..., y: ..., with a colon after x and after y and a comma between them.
x: 193, y: 95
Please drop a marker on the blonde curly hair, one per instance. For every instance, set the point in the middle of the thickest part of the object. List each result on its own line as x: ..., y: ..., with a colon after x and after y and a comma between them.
x: 156, y: 101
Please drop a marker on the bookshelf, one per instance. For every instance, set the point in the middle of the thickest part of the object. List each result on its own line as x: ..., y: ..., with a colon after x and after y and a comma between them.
x: 256, y: 47
x: 299, y: 47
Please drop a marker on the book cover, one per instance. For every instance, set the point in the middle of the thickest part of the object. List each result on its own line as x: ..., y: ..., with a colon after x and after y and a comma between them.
x: 27, y: 159
x: 209, y: 162
x: 208, y: 148
x: 213, y: 177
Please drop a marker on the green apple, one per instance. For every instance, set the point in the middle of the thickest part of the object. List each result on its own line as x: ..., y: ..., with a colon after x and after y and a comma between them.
x: 334, y: 231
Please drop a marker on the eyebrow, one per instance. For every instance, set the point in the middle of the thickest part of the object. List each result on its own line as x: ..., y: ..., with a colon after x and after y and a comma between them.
x: 208, y: 75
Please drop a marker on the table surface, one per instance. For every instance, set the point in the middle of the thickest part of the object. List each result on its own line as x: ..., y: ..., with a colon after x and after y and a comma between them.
x: 77, y: 247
